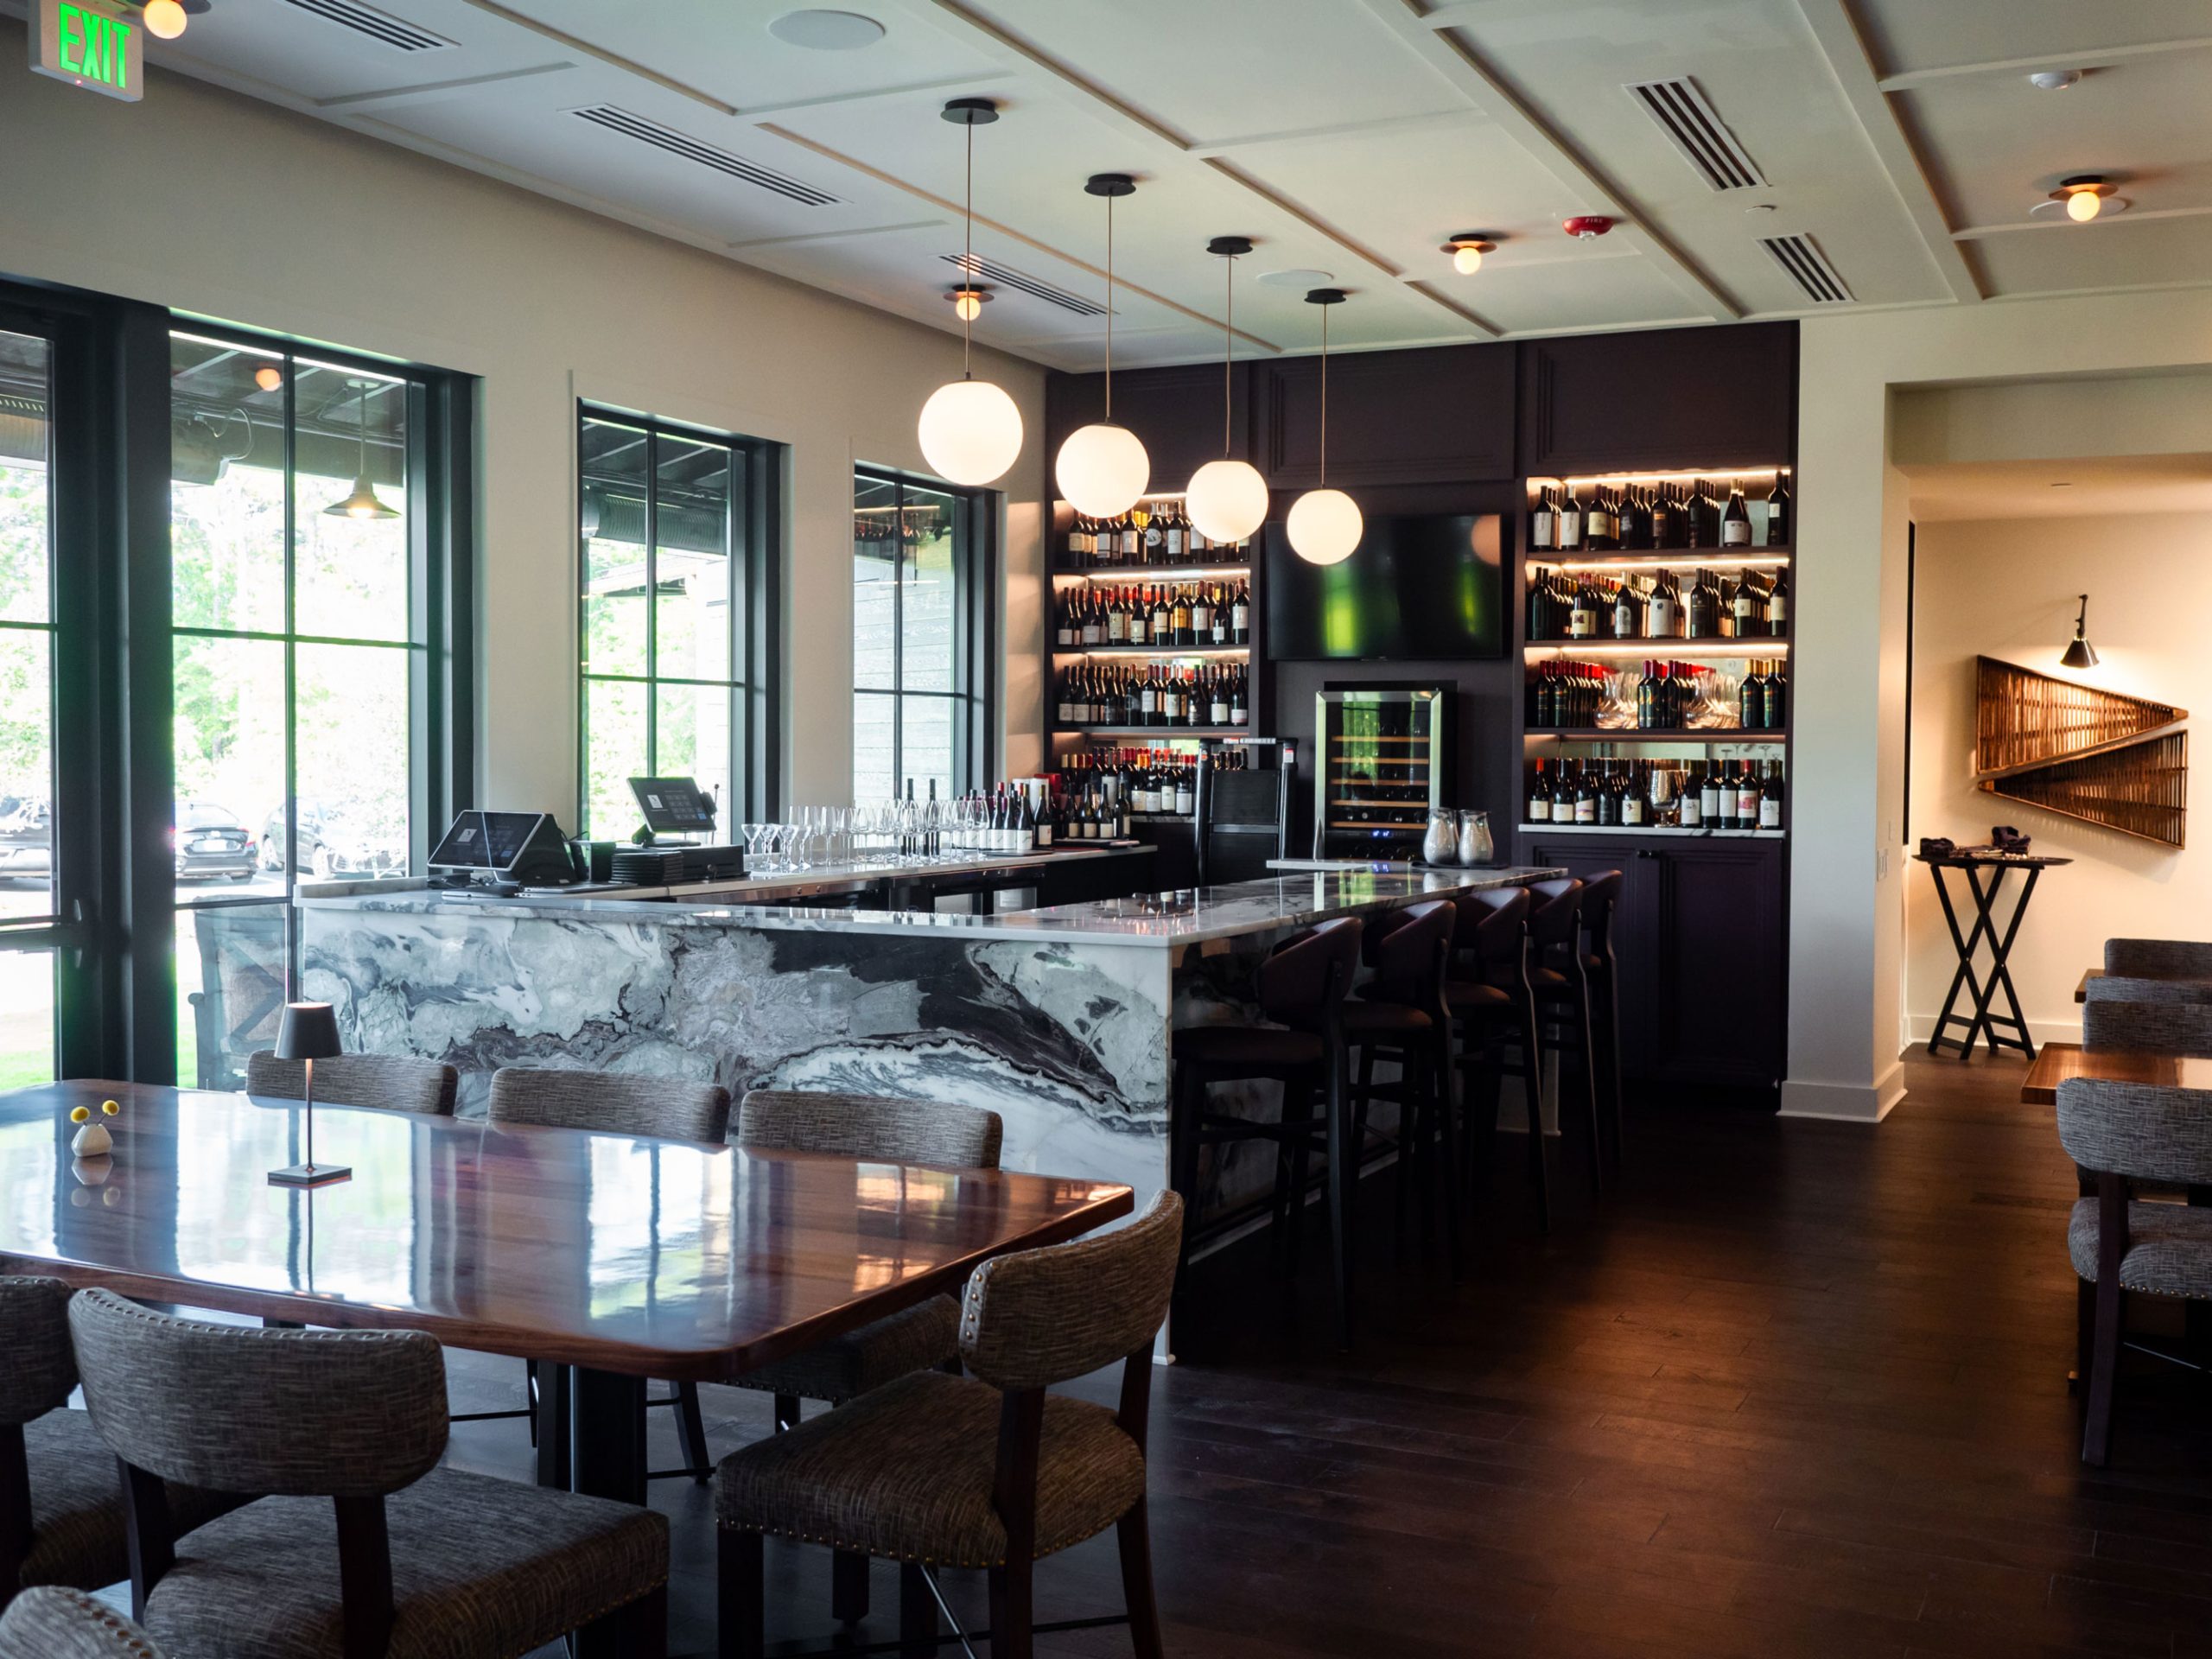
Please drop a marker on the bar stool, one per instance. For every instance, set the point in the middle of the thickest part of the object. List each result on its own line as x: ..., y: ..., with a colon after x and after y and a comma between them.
x: 1300, y: 987
x: 1400, y: 1014
x: 1562, y: 988
x: 1601, y: 903
x: 1494, y: 1007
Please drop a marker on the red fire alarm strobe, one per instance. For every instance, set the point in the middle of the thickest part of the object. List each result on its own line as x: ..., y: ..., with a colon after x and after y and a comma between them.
x: 1587, y: 228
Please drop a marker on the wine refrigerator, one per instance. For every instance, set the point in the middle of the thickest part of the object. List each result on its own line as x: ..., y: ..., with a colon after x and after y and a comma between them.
x: 1384, y: 757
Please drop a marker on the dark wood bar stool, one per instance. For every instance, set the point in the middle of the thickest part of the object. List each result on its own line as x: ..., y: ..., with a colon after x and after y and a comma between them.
x: 1301, y: 987
x: 1400, y: 1014
x: 1557, y: 976
x: 1601, y: 903
x: 1493, y: 1008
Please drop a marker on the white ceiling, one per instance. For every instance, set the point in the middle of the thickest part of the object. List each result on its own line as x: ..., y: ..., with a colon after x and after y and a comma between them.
x: 2098, y: 487
x: 1345, y: 137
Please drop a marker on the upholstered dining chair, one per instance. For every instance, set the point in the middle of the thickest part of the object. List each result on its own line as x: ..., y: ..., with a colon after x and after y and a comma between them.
x: 2127, y: 988
x: 359, y: 1545
x: 2118, y: 1133
x: 2157, y: 1027
x: 390, y: 1083
x: 61, y: 1520
x: 2158, y: 959
x: 990, y: 1470
x: 49, y: 1622
x: 617, y: 1103
x: 885, y: 1130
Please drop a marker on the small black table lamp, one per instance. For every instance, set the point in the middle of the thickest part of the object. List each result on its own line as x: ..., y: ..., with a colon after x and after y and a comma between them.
x: 309, y: 1032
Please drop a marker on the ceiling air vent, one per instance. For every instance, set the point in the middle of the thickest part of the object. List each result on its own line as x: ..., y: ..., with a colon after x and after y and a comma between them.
x: 989, y: 270
x: 379, y: 26
x: 1808, y: 267
x: 690, y: 149
x: 1695, y: 128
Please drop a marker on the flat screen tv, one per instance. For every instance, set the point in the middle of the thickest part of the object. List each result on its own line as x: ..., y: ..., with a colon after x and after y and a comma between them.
x: 1420, y: 588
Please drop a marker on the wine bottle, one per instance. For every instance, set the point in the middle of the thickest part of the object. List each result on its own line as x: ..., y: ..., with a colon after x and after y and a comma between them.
x: 1777, y: 698
x: 1777, y: 513
x: 1174, y: 540
x: 1240, y: 616
x: 1543, y: 523
x: 1750, y: 698
x: 1778, y: 606
x: 1570, y: 522
x: 1140, y: 629
x: 1582, y: 615
x: 1747, y: 799
x: 1201, y: 617
x: 1771, y: 797
x: 1736, y: 519
x: 1628, y: 612
x: 1118, y: 620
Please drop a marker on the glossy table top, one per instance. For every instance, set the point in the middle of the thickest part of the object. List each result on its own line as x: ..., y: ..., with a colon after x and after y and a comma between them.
x: 661, y: 1258
x: 2056, y: 1062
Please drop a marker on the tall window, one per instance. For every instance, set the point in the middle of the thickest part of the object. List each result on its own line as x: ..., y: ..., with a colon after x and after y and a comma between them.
x: 921, y: 636
x: 308, y: 602
x: 676, y: 575
x: 28, y: 907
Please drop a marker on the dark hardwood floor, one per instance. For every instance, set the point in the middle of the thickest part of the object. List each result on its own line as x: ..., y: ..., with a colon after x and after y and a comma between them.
x: 1797, y: 1388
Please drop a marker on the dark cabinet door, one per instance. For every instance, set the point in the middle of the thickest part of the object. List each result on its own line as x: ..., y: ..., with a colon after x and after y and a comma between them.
x: 1717, y: 992
x: 1176, y: 413
x: 1675, y: 398
x: 1439, y: 416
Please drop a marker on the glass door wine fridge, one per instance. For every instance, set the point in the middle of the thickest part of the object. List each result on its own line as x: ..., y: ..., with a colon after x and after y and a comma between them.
x: 1383, y: 759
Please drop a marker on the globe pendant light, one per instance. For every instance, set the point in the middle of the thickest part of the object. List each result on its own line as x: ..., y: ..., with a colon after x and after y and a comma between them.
x: 362, y: 502
x: 1102, y: 469
x: 1227, y: 499
x: 970, y: 432
x: 1324, y: 524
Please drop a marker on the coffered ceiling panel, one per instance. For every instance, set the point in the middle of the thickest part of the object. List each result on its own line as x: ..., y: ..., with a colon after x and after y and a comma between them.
x: 1924, y: 34
x: 2123, y: 252
x: 1595, y: 293
x: 278, y: 45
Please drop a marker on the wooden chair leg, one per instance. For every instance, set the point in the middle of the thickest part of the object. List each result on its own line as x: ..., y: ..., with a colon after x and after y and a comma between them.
x: 639, y: 1627
x: 787, y: 1411
x: 2104, y: 1367
x: 918, y: 1619
x: 1343, y: 1177
x: 742, y: 1613
x: 1134, y: 1532
x: 1301, y: 1164
x: 2085, y: 1336
x: 691, y: 1434
x: 848, y: 1586
x: 1532, y: 1085
x: 1447, y: 1172
x: 1013, y: 1619
x: 1589, y: 1090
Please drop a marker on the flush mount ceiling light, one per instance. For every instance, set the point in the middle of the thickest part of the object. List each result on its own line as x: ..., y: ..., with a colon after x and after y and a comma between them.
x: 2084, y: 196
x: 1467, y: 249
x: 269, y: 376
x: 1587, y: 227
x: 822, y: 30
x: 1227, y: 499
x: 970, y: 432
x: 165, y: 19
x: 2054, y: 81
x: 362, y: 502
x: 2081, y: 653
x: 1102, y: 469
x: 1325, y: 525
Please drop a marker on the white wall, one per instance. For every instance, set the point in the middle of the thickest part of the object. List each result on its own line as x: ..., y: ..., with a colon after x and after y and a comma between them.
x: 2005, y: 588
x: 1847, y: 875
x: 235, y: 210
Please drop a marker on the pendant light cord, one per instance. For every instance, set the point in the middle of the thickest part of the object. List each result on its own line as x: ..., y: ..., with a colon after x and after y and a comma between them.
x: 968, y: 266
x: 361, y: 421
x: 1325, y: 398
x: 1110, y: 309
x: 1228, y: 350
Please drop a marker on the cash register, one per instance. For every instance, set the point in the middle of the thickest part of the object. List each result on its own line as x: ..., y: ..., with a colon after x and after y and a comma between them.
x: 503, y: 853
x: 681, y: 815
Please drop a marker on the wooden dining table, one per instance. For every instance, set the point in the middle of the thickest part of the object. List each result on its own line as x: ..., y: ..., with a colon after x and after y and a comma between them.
x: 613, y: 1257
x: 2057, y: 1062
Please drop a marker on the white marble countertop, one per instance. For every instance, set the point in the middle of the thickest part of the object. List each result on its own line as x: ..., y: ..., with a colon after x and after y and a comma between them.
x: 1191, y: 916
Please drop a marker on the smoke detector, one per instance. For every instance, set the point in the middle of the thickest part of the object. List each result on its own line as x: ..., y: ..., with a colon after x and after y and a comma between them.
x: 1587, y: 228
x: 2054, y: 81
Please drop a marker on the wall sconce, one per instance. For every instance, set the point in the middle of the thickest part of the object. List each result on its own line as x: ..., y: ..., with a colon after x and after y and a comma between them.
x: 2081, y: 653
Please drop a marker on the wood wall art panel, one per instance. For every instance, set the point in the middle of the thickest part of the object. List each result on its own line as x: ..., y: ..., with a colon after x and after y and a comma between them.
x: 2099, y: 756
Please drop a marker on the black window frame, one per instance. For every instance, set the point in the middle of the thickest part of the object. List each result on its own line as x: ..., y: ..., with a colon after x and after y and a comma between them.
x: 756, y: 653
x: 975, y: 637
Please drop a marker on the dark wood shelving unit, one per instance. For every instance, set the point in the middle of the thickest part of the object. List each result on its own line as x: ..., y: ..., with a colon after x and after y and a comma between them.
x: 1663, y: 559
x: 1730, y: 644
x: 1658, y: 734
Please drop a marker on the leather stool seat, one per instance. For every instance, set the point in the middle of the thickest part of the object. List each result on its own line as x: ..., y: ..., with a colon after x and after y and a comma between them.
x: 1474, y: 996
x: 1369, y: 1020
x: 1247, y: 1046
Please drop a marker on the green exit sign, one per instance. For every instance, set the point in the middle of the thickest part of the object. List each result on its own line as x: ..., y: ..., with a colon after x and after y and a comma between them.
x: 92, y: 44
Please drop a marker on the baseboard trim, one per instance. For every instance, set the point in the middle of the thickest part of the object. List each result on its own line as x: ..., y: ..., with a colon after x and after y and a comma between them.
x: 1844, y: 1103
x: 1921, y: 1027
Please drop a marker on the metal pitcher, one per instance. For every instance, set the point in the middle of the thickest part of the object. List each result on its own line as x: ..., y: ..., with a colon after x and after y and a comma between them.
x: 1476, y: 846
x: 1441, y: 843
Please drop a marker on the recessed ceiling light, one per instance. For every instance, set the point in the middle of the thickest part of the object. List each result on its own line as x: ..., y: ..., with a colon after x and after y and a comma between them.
x: 827, y: 31
x: 1300, y: 279
x: 2054, y: 81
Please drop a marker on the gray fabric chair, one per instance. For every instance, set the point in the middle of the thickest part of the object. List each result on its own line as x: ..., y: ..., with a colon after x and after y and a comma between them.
x: 2158, y: 959
x: 610, y: 1103
x: 2116, y: 988
x: 882, y: 1129
x: 343, y: 1427
x: 988, y: 1471
x: 390, y: 1083
x: 2119, y: 1132
x: 55, y: 1624
x: 616, y: 1103
x: 61, y: 1519
x: 2157, y: 1027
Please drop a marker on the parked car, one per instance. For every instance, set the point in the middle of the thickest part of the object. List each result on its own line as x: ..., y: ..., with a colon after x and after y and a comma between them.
x: 328, y: 845
x: 26, y: 837
x: 209, y: 841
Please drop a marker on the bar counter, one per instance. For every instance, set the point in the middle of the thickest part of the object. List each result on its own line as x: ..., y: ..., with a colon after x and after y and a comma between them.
x: 1060, y: 1017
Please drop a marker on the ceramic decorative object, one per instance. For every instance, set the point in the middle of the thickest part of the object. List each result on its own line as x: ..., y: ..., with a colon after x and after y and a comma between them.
x: 1476, y: 846
x: 1441, y: 843
x: 93, y: 1139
